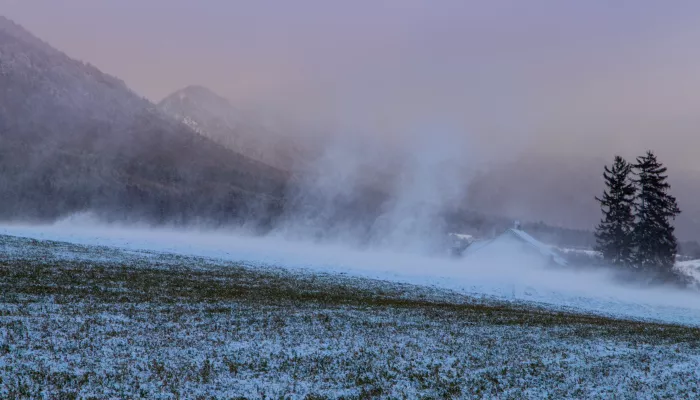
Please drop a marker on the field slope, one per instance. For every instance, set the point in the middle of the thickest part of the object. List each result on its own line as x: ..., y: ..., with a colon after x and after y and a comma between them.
x: 98, y: 322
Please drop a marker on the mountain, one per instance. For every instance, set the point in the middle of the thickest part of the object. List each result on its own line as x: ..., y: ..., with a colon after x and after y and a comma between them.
x: 244, y: 132
x: 554, y: 189
x: 320, y: 193
x: 73, y: 138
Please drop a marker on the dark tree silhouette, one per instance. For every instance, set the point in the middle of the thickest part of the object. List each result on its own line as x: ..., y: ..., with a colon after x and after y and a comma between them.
x: 614, y: 233
x: 654, y: 238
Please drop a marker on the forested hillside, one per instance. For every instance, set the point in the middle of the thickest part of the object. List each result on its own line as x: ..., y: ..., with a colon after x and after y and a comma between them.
x: 73, y: 138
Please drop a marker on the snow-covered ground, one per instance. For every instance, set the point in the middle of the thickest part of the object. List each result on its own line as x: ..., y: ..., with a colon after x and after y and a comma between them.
x: 691, y: 268
x: 129, y: 321
x: 513, y: 277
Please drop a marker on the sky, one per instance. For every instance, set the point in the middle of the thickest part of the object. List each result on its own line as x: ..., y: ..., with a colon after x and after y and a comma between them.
x: 506, y: 77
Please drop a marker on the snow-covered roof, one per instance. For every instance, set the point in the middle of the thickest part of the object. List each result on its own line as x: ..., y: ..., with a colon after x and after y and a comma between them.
x: 539, y: 246
x: 463, y: 236
x: 477, y: 245
x: 522, y: 236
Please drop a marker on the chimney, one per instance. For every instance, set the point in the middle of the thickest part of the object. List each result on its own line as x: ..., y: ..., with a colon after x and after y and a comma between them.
x: 516, y: 224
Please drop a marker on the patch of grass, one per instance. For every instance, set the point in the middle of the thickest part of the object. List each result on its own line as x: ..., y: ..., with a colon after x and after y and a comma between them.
x: 126, y: 326
x: 67, y: 281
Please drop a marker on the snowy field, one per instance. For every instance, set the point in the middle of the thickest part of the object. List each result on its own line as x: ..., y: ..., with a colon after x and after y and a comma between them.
x: 156, y: 317
x: 691, y: 268
x: 511, y: 277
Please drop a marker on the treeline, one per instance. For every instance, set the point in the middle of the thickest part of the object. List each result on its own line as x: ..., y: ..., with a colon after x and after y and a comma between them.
x: 636, y: 232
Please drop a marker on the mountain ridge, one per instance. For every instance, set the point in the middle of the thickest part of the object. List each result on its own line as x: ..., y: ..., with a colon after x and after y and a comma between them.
x: 82, y: 137
x: 215, y: 117
x: 73, y: 138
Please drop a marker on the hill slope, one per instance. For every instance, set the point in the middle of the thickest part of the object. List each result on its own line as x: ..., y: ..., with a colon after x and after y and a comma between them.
x: 73, y: 138
x: 215, y: 117
x: 238, y: 329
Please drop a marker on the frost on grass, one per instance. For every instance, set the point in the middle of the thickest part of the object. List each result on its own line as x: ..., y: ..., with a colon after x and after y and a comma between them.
x: 81, y: 322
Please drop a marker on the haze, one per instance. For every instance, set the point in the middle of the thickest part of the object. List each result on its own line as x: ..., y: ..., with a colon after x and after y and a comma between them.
x: 317, y: 198
x: 449, y: 87
x: 548, y: 76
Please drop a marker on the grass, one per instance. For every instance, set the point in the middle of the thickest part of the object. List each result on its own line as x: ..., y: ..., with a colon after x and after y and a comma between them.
x: 93, y: 322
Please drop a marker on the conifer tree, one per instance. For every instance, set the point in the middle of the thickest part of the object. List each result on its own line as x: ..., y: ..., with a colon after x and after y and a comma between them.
x: 614, y: 233
x: 654, y: 239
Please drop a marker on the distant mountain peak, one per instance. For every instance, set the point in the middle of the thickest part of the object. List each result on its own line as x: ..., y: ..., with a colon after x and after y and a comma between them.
x: 215, y: 117
x: 197, y: 94
x: 74, y: 138
x: 198, y: 90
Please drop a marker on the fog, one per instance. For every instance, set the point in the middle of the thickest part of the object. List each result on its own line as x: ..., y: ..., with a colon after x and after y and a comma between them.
x: 410, y: 102
x: 505, y: 274
x: 499, y: 83
x: 362, y: 194
x: 536, y: 77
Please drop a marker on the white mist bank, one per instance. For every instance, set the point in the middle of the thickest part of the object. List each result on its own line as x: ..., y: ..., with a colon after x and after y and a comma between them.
x: 507, y: 276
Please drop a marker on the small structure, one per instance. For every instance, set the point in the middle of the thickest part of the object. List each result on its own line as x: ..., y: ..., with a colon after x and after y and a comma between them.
x: 459, y: 242
x: 516, y: 240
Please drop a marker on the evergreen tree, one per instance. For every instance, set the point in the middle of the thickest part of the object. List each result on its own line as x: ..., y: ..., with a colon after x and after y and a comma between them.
x: 654, y: 237
x: 614, y: 233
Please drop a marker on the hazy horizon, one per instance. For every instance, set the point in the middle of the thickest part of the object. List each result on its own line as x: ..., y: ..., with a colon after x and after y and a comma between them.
x: 317, y: 199
x: 508, y: 78
x: 502, y: 108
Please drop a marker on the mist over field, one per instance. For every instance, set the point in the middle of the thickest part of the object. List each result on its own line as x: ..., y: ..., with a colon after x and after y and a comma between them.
x: 520, y: 106
x: 360, y: 200
x: 503, y: 272
x: 295, y: 123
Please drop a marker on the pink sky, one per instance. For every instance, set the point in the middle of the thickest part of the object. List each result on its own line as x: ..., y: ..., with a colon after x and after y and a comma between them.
x: 599, y: 77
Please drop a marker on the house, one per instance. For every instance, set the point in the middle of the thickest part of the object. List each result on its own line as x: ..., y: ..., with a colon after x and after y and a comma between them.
x: 458, y: 243
x: 517, y: 243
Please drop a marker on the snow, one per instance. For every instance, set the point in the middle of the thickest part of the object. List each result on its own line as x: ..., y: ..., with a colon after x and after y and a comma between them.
x: 155, y: 345
x: 691, y: 269
x: 328, y: 352
x: 521, y: 236
x: 586, y: 252
x: 514, y: 277
x: 464, y: 236
x: 543, y: 249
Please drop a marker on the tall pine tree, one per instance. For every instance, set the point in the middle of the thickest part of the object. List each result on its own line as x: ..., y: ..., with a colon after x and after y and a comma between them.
x: 614, y: 233
x: 654, y: 237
